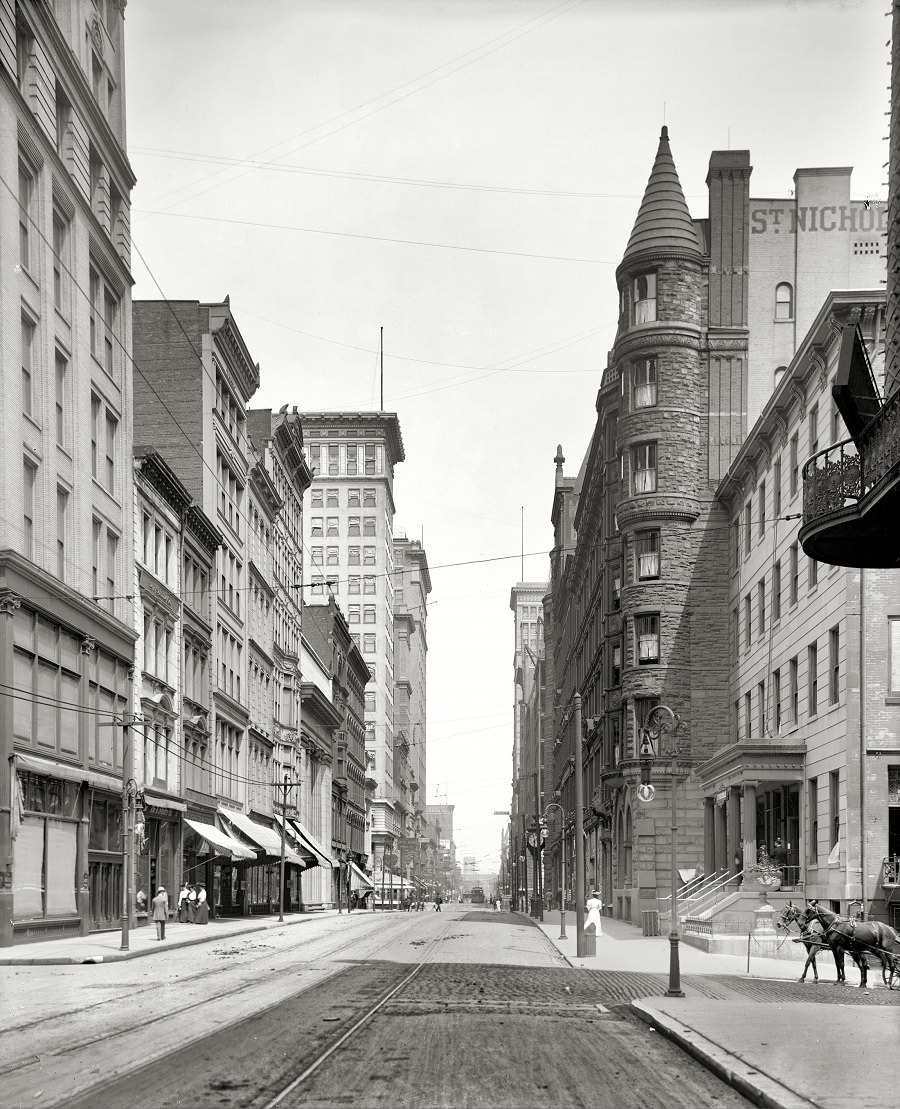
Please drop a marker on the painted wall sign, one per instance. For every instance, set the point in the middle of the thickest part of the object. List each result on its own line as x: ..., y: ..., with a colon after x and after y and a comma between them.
x: 829, y: 217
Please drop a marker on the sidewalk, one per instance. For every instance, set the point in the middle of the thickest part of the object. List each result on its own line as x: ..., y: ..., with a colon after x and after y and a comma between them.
x: 105, y: 947
x: 791, y: 1054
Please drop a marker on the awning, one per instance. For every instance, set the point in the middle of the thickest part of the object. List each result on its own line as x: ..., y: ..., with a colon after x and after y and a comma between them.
x: 266, y: 839
x: 309, y: 841
x: 161, y: 802
x: 358, y: 879
x: 68, y: 772
x: 309, y: 859
x: 219, y: 842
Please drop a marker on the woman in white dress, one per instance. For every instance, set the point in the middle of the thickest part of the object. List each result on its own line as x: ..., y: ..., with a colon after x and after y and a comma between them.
x: 593, y: 906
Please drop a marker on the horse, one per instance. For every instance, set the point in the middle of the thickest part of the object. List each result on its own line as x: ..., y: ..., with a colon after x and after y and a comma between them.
x: 860, y: 938
x: 812, y: 936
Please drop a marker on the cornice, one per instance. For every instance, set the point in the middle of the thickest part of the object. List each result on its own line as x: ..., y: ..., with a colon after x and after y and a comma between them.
x: 162, y: 477
x: 662, y: 333
x: 228, y: 338
x: 653, y: 506
x: 203, y: 529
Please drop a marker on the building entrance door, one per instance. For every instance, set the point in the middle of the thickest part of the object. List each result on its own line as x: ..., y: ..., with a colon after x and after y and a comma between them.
x: 105, y: 880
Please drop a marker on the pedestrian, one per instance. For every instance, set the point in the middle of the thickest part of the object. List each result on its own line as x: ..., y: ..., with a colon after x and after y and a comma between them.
x: 438, y: 901
x: 497, y: 905
x: 183, y: 896
x: 201, y: 914
x: 593, y: 906
x: 192, y: 903
x: 160, y: 912
x: 779, y: 853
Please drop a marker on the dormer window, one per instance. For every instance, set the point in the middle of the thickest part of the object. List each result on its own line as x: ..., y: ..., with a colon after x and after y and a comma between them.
x: 644, y: 298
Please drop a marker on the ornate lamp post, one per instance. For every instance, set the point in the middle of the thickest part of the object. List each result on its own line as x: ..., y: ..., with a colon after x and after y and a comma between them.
x: 562, y: 861
x: 664, y: 724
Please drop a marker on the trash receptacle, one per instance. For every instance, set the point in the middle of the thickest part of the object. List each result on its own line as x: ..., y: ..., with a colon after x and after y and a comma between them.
x: 650, y: 922
x: 590, y: 942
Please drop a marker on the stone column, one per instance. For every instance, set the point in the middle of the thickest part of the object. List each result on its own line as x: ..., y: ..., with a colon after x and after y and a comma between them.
x: 748, y: 824
x: 709, y: 835
x: 721, y: 819
x: 734, y: 826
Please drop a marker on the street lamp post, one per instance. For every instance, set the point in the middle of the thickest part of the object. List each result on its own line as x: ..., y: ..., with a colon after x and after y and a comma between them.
x: 664, y: 723
x: 579, y: 832
x: 562, y: 861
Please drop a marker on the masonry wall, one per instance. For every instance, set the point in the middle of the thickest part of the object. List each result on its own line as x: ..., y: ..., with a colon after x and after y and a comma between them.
x: 169, y: 386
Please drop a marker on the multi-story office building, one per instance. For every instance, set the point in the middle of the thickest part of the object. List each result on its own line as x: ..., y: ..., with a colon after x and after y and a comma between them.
x: 278, y: 439
x: 851, y: 500
x: 812, y: 740
x: 527, y: 604
x: 348, y: 532
x: 195, y: 379
x: 412, y: 584
x: 161, y: 502
x: 326, y: 627
x: 66, y: 564
x: 709, y: 312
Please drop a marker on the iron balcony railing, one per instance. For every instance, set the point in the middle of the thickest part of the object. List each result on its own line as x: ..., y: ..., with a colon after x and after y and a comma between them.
x: 842, y: 475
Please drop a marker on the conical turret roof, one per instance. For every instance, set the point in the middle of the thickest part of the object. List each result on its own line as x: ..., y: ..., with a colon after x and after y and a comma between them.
x: 664, y: 221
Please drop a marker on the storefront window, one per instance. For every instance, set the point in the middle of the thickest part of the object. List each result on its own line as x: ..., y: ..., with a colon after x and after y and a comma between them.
x: 45, y: 849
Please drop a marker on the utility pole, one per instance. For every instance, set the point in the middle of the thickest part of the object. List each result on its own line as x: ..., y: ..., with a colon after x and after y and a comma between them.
x: 579, y: 832
x: 285, y: 784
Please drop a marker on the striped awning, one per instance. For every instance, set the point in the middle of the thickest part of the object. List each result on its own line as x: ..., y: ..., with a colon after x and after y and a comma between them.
x: 312, y: 844
x: 266, y: 839
x: 219, y: 842
x: 359, y: 880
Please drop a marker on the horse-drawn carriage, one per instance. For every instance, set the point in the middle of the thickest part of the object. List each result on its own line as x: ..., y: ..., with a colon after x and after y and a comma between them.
x: 862, y: 940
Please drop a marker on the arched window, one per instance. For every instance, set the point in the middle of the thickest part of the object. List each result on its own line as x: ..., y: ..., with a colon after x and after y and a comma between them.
x: 784, y: 301
x: 780, y: 371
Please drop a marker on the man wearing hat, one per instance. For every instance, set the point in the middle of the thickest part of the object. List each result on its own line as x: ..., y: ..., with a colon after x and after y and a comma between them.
x: 160, y: 912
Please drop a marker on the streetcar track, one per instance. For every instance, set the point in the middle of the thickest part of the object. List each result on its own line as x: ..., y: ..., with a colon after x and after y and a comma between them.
x: 136, y: 990
x: 147, y: 1022
x: 326, y: 1054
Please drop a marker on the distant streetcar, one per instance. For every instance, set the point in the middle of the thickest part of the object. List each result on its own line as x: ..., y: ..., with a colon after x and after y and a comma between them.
x: 476, y: 896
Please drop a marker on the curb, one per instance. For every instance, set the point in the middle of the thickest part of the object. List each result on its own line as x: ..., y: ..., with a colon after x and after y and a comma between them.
x: 743, y: 1077
x: 125, y: 956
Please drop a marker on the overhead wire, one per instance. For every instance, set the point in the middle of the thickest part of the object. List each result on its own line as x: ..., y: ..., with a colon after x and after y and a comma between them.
x: 473, y: 55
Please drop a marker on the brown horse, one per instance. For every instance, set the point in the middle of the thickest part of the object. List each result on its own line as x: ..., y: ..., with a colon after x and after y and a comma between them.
x: 859, y: 938
x: 812, y: 936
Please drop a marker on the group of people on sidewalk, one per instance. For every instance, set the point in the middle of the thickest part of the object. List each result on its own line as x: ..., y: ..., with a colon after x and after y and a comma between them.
x: 193, y: 907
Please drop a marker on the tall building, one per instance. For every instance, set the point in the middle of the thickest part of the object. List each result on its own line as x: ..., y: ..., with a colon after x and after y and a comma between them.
x: 327, y: 625
x: 710, y: 312
x: 190, y: 397
x: 812, y: 748
x: 412, y: 584
x: 66, y: 561
x: 851, y: 498
x: 527, y: 604
x: 348, y: 532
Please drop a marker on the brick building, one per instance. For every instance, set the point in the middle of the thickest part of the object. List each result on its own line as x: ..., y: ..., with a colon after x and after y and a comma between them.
x: 710, y: 318
x: 67, y: 621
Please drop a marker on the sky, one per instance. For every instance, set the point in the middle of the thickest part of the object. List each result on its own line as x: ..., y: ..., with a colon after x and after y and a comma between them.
x: 464, y: 174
